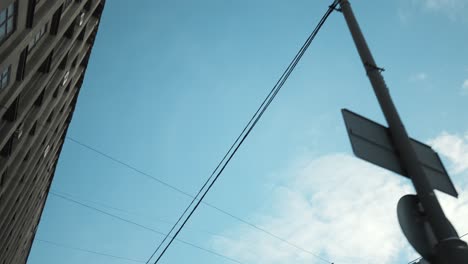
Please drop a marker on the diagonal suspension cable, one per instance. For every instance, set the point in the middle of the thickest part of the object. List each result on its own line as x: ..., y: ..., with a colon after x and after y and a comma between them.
x: 174, y: 188
x: 244, y: 134
x: 140, y: 225
x: 94, y: 252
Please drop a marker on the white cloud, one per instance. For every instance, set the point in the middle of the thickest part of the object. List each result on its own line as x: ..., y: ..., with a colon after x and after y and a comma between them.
x: 338, y: 207
x: 465, y: 87
x: 455, y: 148
x: 453, y: 8
x: 419, y: 77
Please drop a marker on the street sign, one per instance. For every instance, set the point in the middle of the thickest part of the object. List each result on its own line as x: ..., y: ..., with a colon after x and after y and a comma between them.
x: 372, y: 142
x: 415, y: 226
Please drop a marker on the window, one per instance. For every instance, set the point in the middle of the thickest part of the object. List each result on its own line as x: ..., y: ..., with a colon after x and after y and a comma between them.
x: 21, y: 72
x: 63, y: 63
x: 81, y: 19
x: 46, y: 151
x: 40, y: 99
x: 87, y: 6
x: 5, y: 77
x: 74, y: 62
x: 65, y: 78
x: 7, y: 21
x: 26, y: 157
x: 3, y: 177
x: 6, y: 151
x: 45, y: 66
x: 54, y: 25
x: 67, y: 3
x: 33, y: 129
x: 11, y: 112
x: 56, y: 91
x: 81, y: 36
x: 51, y: 115
x: 71, y: 30
x: 19, y: 131
x: 38, y: 36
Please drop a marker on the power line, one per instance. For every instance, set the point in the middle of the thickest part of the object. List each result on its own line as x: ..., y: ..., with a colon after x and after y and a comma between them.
x: 87, y: 250
x: 255, y: 118
x: 132, y: 213
x: 141, y: 226
x: 141, y: 172
x: 418, y: 259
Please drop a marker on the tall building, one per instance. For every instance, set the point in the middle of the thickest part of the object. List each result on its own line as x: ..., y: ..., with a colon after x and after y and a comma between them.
x: 45, y: 46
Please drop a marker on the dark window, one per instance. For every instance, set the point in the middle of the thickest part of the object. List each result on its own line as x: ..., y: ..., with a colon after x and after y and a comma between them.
x: 38, y: 36
x: 40, y: 99
x: 70, y: 30
x: 21, y: 72
x: 87, y: 6
x: 63, y: 63
x: 74, y: 62
x: 33, y: 129
x: 5, y: 77
x: 7, y: 21
x: 45, y: 66
x: 30, y: 14
x: 68, y: 87
x: 67, y: 3
x: 10, y: 114
x: 82, y: 33
x: 6, y: 151
x: 26, y: 157
x: 51, y: 115
x: 55, y: 23
x: 3, y: 177
x: 55, y: 94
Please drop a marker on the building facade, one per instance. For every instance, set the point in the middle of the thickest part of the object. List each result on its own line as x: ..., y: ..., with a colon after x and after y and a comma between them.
x: 45, y: 46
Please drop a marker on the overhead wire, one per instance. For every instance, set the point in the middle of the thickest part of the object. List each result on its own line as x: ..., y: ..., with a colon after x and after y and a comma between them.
x: 132, y: 213
x: 255, y: 118
x: 87, y: 250
x: 141, y: 226
x: 141, y: 172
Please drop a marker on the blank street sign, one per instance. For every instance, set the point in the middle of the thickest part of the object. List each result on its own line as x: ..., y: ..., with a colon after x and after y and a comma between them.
x: 371, y: 142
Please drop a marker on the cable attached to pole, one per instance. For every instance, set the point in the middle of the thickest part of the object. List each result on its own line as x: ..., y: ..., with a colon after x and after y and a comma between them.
x: 241, y: 138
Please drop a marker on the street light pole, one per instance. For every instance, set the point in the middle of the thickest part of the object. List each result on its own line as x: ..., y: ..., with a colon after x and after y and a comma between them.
x: 443, y: 231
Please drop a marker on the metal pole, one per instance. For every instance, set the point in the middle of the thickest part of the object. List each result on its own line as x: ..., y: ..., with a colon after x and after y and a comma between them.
x: 436, y: 217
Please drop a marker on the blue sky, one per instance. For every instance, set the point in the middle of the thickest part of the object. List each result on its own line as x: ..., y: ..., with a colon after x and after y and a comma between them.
x: 169, y: 86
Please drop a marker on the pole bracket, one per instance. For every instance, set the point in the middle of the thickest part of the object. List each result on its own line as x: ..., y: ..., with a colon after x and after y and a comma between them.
x: 372, y: 67
x: 335, y: 8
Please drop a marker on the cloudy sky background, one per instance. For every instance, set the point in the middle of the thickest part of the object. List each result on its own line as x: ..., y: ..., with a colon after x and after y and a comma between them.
x: 170, y: 96
x: 343, y: 209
